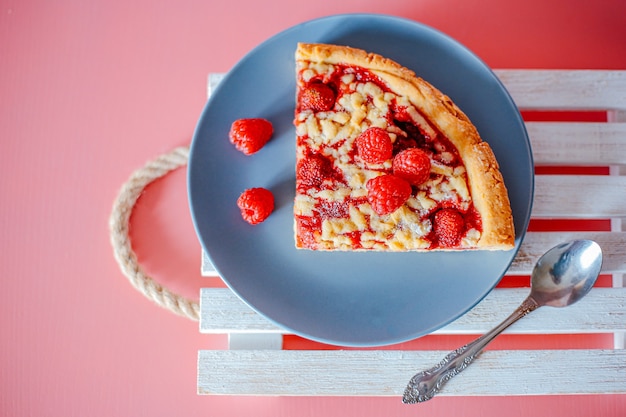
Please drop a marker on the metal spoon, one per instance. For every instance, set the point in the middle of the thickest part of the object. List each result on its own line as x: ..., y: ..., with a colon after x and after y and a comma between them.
x: 562, y: 276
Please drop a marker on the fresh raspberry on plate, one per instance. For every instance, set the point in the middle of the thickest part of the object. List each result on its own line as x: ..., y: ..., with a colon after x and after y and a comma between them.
x: 413, y: 165
x: 449, y: 227
x: 374, y: 145
x: 250, y: 135
x: 256, y: 204
x: 387, y: 193
x: 312, y: 170
x: 317, y: 97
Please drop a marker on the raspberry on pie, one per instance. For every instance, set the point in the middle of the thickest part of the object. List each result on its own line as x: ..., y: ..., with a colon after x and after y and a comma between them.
x: 412, y: 164
x: 449, y: 226
x: 374, y: 145
x: 316, y: 96
x: 312, y: 170
x: 387, y: 193
x: 386, y: 162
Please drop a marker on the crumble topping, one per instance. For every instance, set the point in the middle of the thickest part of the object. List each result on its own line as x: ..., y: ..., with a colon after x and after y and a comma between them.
x: 334, y: 213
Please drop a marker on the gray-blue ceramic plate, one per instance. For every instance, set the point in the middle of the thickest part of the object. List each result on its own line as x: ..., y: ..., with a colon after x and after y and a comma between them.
x: 349, y: 299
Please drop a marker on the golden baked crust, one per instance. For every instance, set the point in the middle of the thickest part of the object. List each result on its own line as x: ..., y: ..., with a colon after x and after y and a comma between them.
x: 486, y: 186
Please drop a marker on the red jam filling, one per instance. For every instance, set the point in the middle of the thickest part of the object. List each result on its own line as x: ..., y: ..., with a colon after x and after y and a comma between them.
x: 318, y: 175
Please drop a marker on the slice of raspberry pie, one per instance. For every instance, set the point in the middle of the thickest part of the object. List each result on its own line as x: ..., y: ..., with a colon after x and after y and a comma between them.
x: 386, y: 162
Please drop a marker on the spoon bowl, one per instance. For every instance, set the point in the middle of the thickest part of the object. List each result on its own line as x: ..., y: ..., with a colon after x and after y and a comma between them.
x: 561, y: 277
x: 566, y: 273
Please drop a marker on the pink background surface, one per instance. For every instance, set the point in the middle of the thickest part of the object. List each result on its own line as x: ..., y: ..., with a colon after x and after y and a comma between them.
x: 89, y: 91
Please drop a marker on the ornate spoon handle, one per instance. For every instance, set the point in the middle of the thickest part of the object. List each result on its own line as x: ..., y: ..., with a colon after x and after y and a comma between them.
x: 426, y: 384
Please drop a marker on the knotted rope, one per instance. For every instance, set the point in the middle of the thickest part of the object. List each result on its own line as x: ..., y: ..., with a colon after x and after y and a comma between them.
x: 119, y: 228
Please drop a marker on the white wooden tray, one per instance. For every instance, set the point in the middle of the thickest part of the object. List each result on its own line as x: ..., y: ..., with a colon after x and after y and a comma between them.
x: 256, y: 364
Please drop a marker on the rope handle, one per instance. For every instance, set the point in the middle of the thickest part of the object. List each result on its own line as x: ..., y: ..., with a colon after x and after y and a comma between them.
x: 119, y: 227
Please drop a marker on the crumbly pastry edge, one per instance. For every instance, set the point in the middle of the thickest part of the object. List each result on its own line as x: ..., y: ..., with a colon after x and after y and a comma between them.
x: 489, y: 193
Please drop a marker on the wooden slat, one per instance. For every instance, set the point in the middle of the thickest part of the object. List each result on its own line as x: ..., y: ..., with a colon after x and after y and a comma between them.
x: 602, y: 311
x: 551, y: 89
x: 385, y: 373
x: 250, y: 340
x: 566, y: 89
x: 577, y: 144
x: 206, y: 267
x: 535, y: 244
x: 579, y: 196
x: 213, y: 81
x: 221, y: 311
